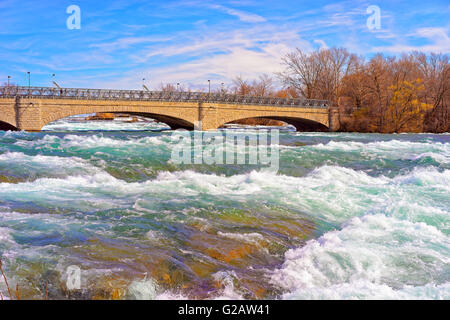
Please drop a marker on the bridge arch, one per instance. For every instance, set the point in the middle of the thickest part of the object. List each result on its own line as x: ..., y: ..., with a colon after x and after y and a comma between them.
x: 173, y: 122
x: 303, y: 118
x: 175, y: 115
x: 300, y: 124
x: 6, y: 126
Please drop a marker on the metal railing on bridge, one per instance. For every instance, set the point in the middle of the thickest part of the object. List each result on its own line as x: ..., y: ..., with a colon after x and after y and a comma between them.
x: 138, y: 95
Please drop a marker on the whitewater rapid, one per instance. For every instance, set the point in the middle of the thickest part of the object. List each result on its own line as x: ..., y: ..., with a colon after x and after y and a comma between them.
x: 348, y: 216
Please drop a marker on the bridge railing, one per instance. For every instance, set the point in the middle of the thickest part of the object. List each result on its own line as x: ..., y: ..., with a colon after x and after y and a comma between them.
x: 138, y: 95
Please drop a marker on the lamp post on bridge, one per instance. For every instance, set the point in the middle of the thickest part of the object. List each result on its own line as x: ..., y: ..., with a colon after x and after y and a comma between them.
x: 7, y: 88
x: 178, y: 86
x: 29, y: 83
x: 55, y: 83
x: 144, y: 87
x: 209, y: 86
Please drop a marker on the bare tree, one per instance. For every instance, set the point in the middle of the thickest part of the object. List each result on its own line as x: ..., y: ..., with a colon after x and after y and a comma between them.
x: 11, y: 85
x: 168, y: 87
x: 242, y: 86
x: 319, y: 74
x: 263, y: 87
x: 435, y: 70
x: 302, y: 73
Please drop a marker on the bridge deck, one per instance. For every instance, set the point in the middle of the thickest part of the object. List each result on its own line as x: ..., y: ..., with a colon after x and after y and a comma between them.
x: 137, y: 95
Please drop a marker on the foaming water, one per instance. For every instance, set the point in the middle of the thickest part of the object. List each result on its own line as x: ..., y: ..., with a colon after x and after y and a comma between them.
x: 374, y: 256
x: 78, y: 123
x: 347, y: 216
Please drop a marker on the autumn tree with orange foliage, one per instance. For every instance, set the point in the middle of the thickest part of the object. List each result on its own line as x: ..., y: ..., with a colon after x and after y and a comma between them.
x: 410, y: 93
x: 405, y: 112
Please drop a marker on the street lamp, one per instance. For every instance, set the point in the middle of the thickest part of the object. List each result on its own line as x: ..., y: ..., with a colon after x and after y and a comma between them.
x: 178, y: 86
x: 145, y: 88
x: 9, y: 77
x: 223, y: 90
x: 209, y: 86
x: 29, y: 83
x: 54, y: 82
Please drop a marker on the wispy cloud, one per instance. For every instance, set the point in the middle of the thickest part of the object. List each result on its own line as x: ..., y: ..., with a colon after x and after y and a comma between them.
x: 123, y: 43
x: 437, y: 40
x: 218, y: 57
x: 243, y: 16
x: 322, y: 43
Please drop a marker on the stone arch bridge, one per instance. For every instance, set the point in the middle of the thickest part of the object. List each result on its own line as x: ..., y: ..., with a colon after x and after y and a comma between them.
x: 31, y: 108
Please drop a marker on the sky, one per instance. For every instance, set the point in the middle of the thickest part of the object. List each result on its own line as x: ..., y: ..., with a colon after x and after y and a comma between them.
x: 118, y: 43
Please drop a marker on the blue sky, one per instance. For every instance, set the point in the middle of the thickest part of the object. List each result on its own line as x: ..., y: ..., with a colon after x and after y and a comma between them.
x: 121, y: 42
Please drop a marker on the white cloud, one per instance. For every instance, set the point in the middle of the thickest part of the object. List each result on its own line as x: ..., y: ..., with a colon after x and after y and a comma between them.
x: 322, y: 44
x: 249, y: 54
x: 242, y: 61
x: 438, y: 42
x: 243, y: 16
x: 123, y: 43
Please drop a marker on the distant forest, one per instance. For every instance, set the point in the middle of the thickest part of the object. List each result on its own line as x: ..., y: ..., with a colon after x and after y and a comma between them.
x: 410, y: 93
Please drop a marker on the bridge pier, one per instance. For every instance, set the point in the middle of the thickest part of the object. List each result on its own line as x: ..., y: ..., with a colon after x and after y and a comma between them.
x: 333, y: 119
x: 28, y: 115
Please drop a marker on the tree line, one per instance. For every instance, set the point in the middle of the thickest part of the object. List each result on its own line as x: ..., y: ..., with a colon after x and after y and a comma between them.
x: 407, y: 93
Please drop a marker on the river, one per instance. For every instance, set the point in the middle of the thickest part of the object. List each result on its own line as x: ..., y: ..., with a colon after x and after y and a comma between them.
x: 345, y: 216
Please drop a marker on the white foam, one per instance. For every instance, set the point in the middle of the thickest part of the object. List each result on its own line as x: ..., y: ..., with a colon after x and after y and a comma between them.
x: 372, y: 257
x: 51, y: 163
x: 441, y: 158
x: 5, y: 235
x: 330, y: 192
x: 358, y: 290
x: 91, y: 141
x: 67, y: 125
x: 146, y: 289
x: 392, y: 149
x: 226, y: 279
x: 252, y: 238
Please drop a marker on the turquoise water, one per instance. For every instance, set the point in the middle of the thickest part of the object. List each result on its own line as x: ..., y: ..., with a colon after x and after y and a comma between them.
x: 347, y: 216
